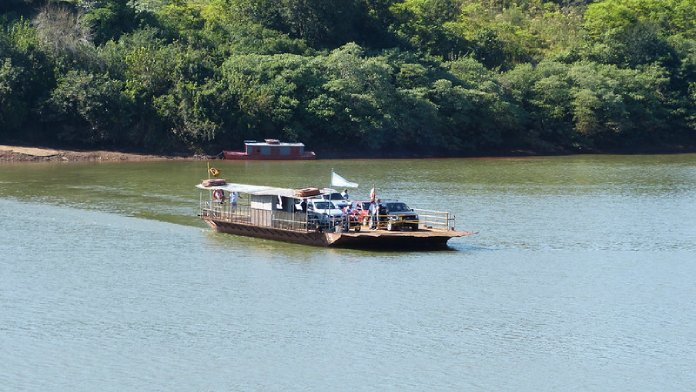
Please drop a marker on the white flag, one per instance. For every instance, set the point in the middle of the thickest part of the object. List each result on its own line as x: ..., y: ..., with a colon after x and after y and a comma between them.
x: 339, y: 181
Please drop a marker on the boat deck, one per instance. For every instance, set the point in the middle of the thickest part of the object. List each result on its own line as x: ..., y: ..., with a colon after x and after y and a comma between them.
x: 420, y: 233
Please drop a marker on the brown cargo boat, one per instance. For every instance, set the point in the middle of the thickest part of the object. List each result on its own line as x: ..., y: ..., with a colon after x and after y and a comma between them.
x: 277, y: 214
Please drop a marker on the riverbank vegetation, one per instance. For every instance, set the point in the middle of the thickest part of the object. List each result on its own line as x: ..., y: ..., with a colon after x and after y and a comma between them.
x: 350, y: 77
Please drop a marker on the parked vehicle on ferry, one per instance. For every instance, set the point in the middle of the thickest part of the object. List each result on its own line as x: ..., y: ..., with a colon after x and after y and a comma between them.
x: 335, y: 197
x: 399, y: 216
x: 324, y: 212
x: 360, y: 210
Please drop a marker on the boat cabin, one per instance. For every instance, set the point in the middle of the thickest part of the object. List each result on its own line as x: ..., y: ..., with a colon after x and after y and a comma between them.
x: 270, y: 149
x: 264, y: 209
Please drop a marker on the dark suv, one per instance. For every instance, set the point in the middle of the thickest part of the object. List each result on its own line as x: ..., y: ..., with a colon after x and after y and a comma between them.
x: 399, y: 216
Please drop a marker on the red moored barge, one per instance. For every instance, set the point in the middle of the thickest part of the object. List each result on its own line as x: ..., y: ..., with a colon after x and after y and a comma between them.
x: 270, y: 149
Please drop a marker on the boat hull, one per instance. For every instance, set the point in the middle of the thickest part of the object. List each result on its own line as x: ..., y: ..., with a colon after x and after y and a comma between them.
x: 270, y: 233
x: 368, y: 239
x: 243, y: 156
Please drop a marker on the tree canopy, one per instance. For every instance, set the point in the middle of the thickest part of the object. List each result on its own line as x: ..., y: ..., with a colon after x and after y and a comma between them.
x: 350, y: 77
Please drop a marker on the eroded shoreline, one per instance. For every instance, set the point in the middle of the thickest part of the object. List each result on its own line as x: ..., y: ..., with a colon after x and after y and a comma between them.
x: 19, y: 154
x: 38, y: 154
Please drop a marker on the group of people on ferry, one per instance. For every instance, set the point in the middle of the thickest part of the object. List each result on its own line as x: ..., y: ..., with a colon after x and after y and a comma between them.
x: 354, y: 213
x: 219, y: 197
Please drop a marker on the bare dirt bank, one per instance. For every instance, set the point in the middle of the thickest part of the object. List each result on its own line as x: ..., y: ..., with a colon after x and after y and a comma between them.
x: 36, y: 154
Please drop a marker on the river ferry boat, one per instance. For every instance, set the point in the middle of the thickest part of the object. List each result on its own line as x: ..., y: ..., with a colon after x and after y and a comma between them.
x: 281, y: 214
x: 270, y: 149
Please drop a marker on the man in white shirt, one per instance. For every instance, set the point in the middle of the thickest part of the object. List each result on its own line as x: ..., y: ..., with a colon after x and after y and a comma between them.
x: 234, y: 196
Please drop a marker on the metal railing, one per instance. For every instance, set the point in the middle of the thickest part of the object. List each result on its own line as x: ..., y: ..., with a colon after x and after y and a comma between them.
x: 435, y: 219
x: 295, y: 221
x: 225, y: 212
x: 301, y: 221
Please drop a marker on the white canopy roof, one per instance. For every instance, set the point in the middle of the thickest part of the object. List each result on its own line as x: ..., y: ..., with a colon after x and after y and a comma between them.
x: 258, y: 189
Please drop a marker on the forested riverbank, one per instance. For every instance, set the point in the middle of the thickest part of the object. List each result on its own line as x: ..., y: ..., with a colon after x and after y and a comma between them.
x: 350, y: 77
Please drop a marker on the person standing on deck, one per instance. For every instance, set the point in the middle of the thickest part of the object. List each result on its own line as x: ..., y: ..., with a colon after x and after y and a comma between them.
x: 234, y: 196
x: 374, y: 212
x: 345, y: 218
x: 373, y: 207
x: 219, y: 196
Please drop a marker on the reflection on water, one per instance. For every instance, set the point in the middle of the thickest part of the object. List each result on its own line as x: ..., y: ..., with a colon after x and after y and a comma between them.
x: 579, y: 279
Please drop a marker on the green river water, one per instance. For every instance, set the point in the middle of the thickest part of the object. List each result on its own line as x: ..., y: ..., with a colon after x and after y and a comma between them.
x: 580, y: 277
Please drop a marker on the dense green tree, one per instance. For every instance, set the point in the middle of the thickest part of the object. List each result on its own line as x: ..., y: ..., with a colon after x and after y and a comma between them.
x: 181, y: 18
x: 350, y: 76
x: 615, y: 106
x: 109, y: 19
x: 356, y: 102
x: 321, y: 23
x: 27, y: 79
x: 230, y: 31
x: 269, y: 93
x: 88, y: 109
x: 13, y: 109
x: 425, y: 25
x: 544, y: 92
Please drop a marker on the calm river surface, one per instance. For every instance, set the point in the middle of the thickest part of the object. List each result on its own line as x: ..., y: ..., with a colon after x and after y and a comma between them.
x: 582, y: 277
